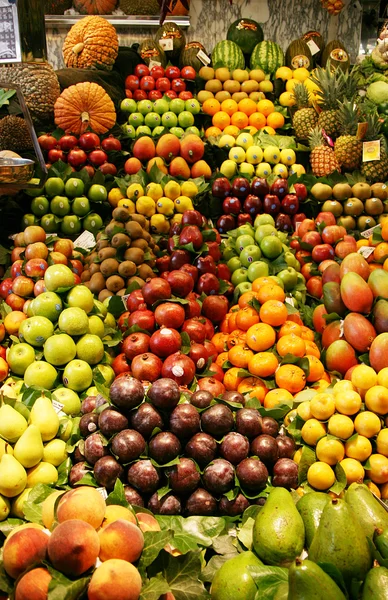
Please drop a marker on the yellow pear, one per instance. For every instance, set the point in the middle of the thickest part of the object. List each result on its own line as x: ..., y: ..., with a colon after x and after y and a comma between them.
x: 28, y: 449
x: 12, y: 423
x: 13, y: 477
x: 45, y: 418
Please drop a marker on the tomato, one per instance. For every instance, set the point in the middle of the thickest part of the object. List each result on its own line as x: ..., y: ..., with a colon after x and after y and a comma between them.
x: 178, y: 85
x: 140, y: 95
x: 155, y: 95
x: 147, y: 83
x: 172, y: 72
x: 157, y: 71
x: 188, y: 73
x: 132, y: 83
x: 142, y: 70
x: 185, y: 95
x: 171, y: 94
x: 128, y: 94
x: 163, y: 84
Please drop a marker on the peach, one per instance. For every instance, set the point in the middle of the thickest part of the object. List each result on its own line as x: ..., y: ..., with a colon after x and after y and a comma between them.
x: 147, y: 522
x: 48, y: 508
x: 115, y: 579
x: 121, y: 539
x: 26, y: 547
x: 83, y: 503
x: 73, y: 547
x: 113, y: 512
x: 34, y: 233
x: 21, y: 527
x: 33, y: 585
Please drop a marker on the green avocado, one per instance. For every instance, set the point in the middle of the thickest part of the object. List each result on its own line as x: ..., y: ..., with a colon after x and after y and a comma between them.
x: 368, y: 511
x: 233, y: 580
x: 307, y: 581
x: 310, y: 508
x: 376, y: 584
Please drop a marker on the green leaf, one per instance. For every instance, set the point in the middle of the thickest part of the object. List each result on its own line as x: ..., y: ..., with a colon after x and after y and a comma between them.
x: 7, y: 526
x: 32, y: 508
x: 116, y: 306
x: 341, y: 481
x: 184, y: 542
x: 223, y: 544
x: 31, y: 394
x: 271, y: 582
x: 214, y: 564
x: 154, y: 542
x: 307, y: 458
x: 62, y: 588
x: 154, y: 588
x: 245, y: 533
x: 203, y: 529
x: 276, y: 413
x: 117, y: 496
x: 63, y: 472
x: 6, y: 583
x: 182, y: 574
x: 88, y: 479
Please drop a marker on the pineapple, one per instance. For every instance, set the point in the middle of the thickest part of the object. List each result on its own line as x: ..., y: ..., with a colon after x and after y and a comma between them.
x: 332, y: 84
x: 305, y: 118
x: 322, y: 158
x: 375, y: 170
x: 348, y: 148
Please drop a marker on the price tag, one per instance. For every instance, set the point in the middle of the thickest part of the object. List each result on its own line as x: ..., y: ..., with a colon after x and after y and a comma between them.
x: 290, y: 300
x: 314, y: 48
x: 203, y: 58
x: 366, y: 251
x: 167, y: 44
x: 371, y: 151
x: 154, y: 63
x: 58, y: 406
x: 362, y: 128
x: 124, y: 300
x: 368, y: 232
x: 103, y: 492
x: 86, y: 241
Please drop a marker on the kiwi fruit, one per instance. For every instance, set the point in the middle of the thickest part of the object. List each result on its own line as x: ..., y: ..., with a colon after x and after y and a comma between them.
x: 96, y: 283
x: 121, y: 213
x: 134, y: 230
x: 138, y: 280
x: 109, y: 267
x: 105, y: 253
x: 121, y: 292
x: 93, y: 256
x: 114, y: 283
x: 148, y: 238
x: 139, y: 219
x: 127, y: 268
x: 85, y: 276
x: 145, y: 272
x: 102, y: 244
x: 140, y: 243
x: 94, y: 268
x: 98, y: 236
x: 374, y: 206
x: 119, y: 240
x: 136, y: 255
x: 104, y: 294
x: 111, y: 226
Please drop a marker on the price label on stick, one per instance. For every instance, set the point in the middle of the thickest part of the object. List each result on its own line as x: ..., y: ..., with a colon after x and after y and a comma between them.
x: 314, y: 48
x: 371, y: 151
x: 86, y: 241
x: 154, y: 63
x: 167, y: 44
x: 205, y: 60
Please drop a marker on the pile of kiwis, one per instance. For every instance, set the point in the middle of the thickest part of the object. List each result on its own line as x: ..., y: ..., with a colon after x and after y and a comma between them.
x: 125, y: 252
x: 360, y: 206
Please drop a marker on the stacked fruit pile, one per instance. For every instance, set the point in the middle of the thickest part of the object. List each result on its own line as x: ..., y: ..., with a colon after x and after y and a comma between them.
x: 153, y: 84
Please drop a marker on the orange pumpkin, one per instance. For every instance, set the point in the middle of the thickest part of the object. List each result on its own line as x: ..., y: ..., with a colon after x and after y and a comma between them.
x: 91, y: 43
x: 95, y: 7
x: 82, y: 106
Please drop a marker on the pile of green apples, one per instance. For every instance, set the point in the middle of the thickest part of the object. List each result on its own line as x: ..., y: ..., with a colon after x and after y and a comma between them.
x: 261, y: 250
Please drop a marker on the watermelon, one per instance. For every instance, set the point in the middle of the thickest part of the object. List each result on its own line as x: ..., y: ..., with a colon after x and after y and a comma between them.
x: 246, y: 33
x: 267, y: 56
x: 228, y: 54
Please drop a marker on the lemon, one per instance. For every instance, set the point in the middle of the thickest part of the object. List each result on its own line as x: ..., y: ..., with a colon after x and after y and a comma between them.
x: 320, y: 476
x: 264, y: 169
x: 237, y: 154
x: 301, y: 74
x: 354, y: 470
x: 266, y: 86
x: 145, y: 206
x: 367, y: 423
x: 189, y: 188
x: 322, y: 406
x: 297, y: 169
x: 165, y: 206
x: 159, y: 224
x: 244, y: 140
x: 128, y: 204
x: 183, y: 203
x: 246, y: 169
x: 272, y: 155
x: 382, y: 377
x: 312, y: 431
x: 154, y: 191
x: 287, y: 99
x: 291, y: 83
x: 257, y: 75
x: 281, y: 170
x: 378, y: 471
x: 177, y: 218
x: 134, y: 191
x: 364, y: 377
x: 114, y: 196
x: 172, y: 190
x: 304, y: 411
x: 348, y: 402
x: 288, y: 157
x: 226, y: 141
x: 254, y: 155
x: 284, y: 73
x: 228, y: 168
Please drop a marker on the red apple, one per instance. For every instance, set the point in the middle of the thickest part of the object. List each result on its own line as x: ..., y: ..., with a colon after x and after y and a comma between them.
x: 271, y: 204
x: 146, y: 367
x: 214, y: 251
x: 191, y: 234
x: 35, y: 267
x: 312, y: 238
x: 179, y: 258
x: 226, y: 223
x: 17, y: 268
x: 215, y: 308
x: 37, y: 250
x: 57, y: 258
x: 279, y: 188
x: 223, y: 272
x: 192, y: 217
x: 76, y: 266
x: 140, y: 95
x: 290, y: 204
x: 192, y: 271
x: 15, y: 302
x: 172, y: 72
x: 205, y: 264
x: 142, y: 70
x: 208, y: 284
x: 163, y: 263
x: 243, y: 218
x: 260, y: 187
x: 322, y: 252
x: 23, y: 286
x: 221, y: 187
x: 283, y: 223
x: 300, y: 191
x: 132, y: 83
x: 240, y: 187
x: 6, y: 287
x: 64, y: 246
x: 39, y: 287
x: 325, y: 217
x: 17, y: 252
x: 252, y: 205
x: 231, y: 205
x: 333, y: 233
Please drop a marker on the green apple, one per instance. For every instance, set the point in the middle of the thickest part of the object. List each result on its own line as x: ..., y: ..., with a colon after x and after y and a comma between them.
x: 194, y: 130
x: 228, y: 253
x: 47, y: 305
x: 40, y: 206
x: 107, y: 373
x: 249, y: 255
x: 234, y: 263
x: 135, y: 119
x: 143, y: 130
x: 271, y: 246
x: 81, y: 297
x: 60, y: 206
x: 157, y: 131
x: 243, y: 241
x: 177, y: 105
x: 80, y: 206
x: 263, y: 231
x: 289, y: 277
x: 185, y: 119
x: 49, y: 223
x: 55, y: 452
x: 161, y: 106
x: 96, y: 326
x: 264, y: 219
x: 128, y: 105
x: 193, y: 106
x: 152, y: 120
x: 178, y: 131
x: 29, y: 219
x: 257, y: 269
x: 90, y: 349
x: 19, y: 357
x: 129, y: 130
x: 93, y: 223
x: 41, y: 374
x: 77, y: 375
x: 36, y: 330
x: 33, y: 192
x: 169, y: 119
x: 54, y: 186
x: 144, y: 107
x: 73, y: 321
x: 70, y: 400
x: 239, y: 276
x: 57, y: 277
x: 59, y: 349
x: 243, y: 287
x: 71, y: 225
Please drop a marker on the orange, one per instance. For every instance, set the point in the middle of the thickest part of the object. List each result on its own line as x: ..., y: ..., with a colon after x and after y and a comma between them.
x: 381, y: 252
x: 232, y: 130
x: 259, y: 282
x: 273, y: 312
x: 13, y: 321
x: 240, y: 356
x: 236, y: 337
x: 213, y: 132
x: 222, y: 358
x: 247, y: 106
x: 220, y: 340
x: 224, y: 325
x: 232, y: 379
x: 211, y: 106
x: 254, y: 387
x: 266, y: 107
x: 316, y: 368
x: 362, y: 242
x: 275, y: 120
x: 221, y: 119
x: 260, y: 337
x: 307, y: 334
x: 385, y: 265
x: 290, y: 327
x: 239, y: 119
x: 270, y: 291
x: 263, y: 364
x: 312, y: 348
x: 384, y: 231
x: 232, y: 322
x: 229, y: 106
x: 276, y: 397
x: 257, y: 120
x: 246, y: 317
x: 246, y: 297
x: 291, y: 344
x: 291, y: 378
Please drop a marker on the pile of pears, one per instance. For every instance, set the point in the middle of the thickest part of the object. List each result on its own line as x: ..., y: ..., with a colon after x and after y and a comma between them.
x: 321, y: 547
x: 30, y: 452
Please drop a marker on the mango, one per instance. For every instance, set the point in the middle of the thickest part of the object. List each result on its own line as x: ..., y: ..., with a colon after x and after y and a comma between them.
x: 144, y: 148
x: 332, y: 298
x: 378, y: 283
x: 358, y: 331
x: 356, y: 293
x: 168, y: 146
x: 380, y: 315
x: 355, y: 263
x: 179, y: 168
x: 378, y: 353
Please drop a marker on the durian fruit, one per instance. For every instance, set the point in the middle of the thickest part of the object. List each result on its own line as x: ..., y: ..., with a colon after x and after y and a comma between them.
x: 140, y: 7
x: 14, y: 134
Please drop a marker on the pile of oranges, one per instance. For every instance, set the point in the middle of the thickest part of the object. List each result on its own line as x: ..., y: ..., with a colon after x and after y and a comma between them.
x: 230, y: 117
x: 256, y: 336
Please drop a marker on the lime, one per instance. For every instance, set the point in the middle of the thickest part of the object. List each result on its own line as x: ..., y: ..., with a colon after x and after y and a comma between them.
x: 186, y: 119
x: 74, y: 187
x: 90, y: 349
x: 161, y: 106
x: 73, y: 321
x: 136, y: 119
x: 71, y: 225
x: 81, y: 206
x: 60, y: 206
x: 59, y: 349
x: 97, y: 193
x: 193, y: 106
x: 77, y: 375
x: 40, y: 206
x: 169, y: 119
x: 54, y: 186
x: 92, y: 223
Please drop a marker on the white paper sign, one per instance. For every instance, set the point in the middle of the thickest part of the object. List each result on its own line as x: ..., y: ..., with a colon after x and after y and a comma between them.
x: 314, y: 48
x: 366, y: 251
x: 203, y: 58
x: 368, y: 232
x: 124, y: 300
x: 86, y: 241
x: 58, y: 406
x: 154, y: 63
x: 166, y: 44
x: 103, y: 492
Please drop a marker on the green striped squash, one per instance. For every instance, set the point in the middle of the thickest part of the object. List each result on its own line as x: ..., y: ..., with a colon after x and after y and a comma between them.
x: 228, y: 54
x: 267, y: 56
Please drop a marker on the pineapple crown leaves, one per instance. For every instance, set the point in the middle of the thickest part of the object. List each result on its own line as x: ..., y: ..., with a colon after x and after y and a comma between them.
x: 372, y: 118
x: 301, y: 95
x: 332, y: 86
x: 316, y: 138
x: 349, y: 116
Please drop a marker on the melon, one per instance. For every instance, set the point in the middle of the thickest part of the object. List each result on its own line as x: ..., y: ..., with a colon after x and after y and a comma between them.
x: 228, y: 54
x: 189, y: 56
x: 316, y: 37
x: 298, y: 55
x: 246, y: 33
x: 336, y: 55
x: 170, y: 33
x: 267, y: 56
x: 150, y: 50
